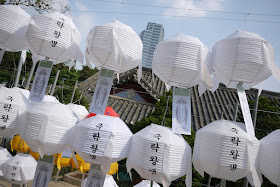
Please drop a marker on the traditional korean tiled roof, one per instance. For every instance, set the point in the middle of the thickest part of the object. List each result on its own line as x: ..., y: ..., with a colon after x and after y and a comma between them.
x: 205, y: 108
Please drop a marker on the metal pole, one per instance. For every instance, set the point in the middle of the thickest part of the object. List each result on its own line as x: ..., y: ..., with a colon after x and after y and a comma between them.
x: 19, y: 70
x: 30, y: 76
x: 151, y: 183
x: 255, y: 111
x: 256, y: 103
x: 209, y: 181
x: 55, y: 81
x: 74, y: 90
x: 56, y: 176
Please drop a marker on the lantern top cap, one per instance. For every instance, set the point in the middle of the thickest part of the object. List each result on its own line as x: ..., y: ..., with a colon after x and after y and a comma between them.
x: 118, y: 24
x: 179, y: 37
x: 106, y: 123
x: 272, y: 137
x: 243, y: 34
x: 223, y: 127
x: 16, y: 9
x: 59, y: 17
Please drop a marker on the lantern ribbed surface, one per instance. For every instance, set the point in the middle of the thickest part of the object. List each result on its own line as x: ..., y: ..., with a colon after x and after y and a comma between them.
x: 159, y: 155
x: 54, y: 36
x: 224, y: 150
x: 20, y: 169
x: 102, y: 140
x: 79, y: 111
x: 177, y: 61
x: 14, y: 22
x: 242, y: 57
x: 13, y: 105
x: 269, y: 157
x: 46, y: 127
x: 114, y: 46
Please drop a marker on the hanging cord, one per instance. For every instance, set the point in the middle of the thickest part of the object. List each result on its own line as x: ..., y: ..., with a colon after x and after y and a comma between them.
x: 163, y: 119
x: 245, y: 19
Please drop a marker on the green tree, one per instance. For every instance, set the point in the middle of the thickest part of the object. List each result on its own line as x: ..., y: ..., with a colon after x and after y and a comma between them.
x: 39, y: 5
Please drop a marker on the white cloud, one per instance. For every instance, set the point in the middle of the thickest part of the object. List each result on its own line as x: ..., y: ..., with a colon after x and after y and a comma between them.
x: 84, y: 23
x: 192, y: 4
x: 80, y: 6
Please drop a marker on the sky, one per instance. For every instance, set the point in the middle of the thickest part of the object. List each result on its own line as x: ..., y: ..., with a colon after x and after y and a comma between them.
x: 222, y: 18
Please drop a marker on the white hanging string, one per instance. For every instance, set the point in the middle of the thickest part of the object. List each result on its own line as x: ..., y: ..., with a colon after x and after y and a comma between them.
x: 163, y: 119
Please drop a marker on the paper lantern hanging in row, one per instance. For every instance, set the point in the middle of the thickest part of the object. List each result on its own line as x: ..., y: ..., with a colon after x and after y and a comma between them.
x: 14, y: 22
x: 114, y: 46
x: 54, y: 36
x: 109, y: 182
x: 102, y: 140
x: 12, y: 105
x: 20, y: 169
x: 269, y: 157
x: 180, y: 61
x: 4, y: 156
x: 242, y: 57
x: 157, y: 154
x: 46, y: 128
x: 224, y: 150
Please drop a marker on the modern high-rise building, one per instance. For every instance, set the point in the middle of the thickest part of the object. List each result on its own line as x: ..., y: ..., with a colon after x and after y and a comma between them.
x: 150, y: 37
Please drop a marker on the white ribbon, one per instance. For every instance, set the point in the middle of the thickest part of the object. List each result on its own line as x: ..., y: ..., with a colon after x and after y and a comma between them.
x: 23, y: 56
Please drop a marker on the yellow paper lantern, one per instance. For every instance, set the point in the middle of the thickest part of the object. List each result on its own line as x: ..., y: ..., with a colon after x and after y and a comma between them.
x: 34, y: 154
x: 19, y: 145
x: 59, y: 161
x: 82, y: 166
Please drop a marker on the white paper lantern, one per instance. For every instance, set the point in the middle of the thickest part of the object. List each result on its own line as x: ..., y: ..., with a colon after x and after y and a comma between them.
x: 242, y: 57
x: 102, y: 140
x: 159, y: 155
x: 46, y: 128
x: 224, y: 150
x: 114, y: 46
x: 20, y: 169
x: 14, y: 22
x: 269, y: 157
x: 146, y: 183
x: 26, y: 93
x: 180, y: 61
x: 12, y: 105
x: 79, y: 111
x: 4, y: 156
x: 50, y: 98
x: 109, y: 182
x: 54, y: 36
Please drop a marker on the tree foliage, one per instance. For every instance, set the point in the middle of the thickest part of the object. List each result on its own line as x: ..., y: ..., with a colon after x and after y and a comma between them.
x: 39, y: 5
x: 65, y: 83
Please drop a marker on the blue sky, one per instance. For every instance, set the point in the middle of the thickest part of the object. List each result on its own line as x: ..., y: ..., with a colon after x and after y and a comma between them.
x: 88, y: 13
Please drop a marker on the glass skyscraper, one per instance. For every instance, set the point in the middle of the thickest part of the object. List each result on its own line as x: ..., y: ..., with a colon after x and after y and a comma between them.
x: 150, y: 37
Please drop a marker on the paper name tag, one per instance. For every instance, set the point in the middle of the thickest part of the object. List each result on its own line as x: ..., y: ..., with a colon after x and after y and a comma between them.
x: 44, y: 171
x: 181, y: 111
x: 40, y: 82
x: 102, y: 91
x: 245, y: 110
x: 95, y: 176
